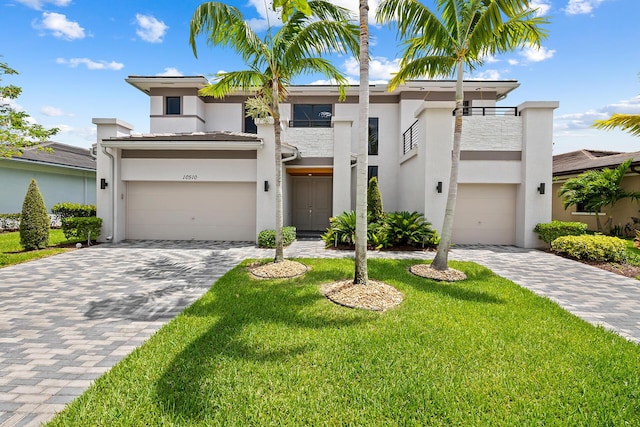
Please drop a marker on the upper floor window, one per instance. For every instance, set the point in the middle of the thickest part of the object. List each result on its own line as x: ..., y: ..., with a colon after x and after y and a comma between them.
x: 249, y: 123
x: 312, y: 115
x: 373, y: 136
x: 172, y: 105
x: 371, y: 172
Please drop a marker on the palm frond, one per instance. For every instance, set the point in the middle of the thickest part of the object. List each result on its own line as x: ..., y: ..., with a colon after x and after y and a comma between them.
x: 232, y: 81
x: 626, y: 122
x: 427, y: 66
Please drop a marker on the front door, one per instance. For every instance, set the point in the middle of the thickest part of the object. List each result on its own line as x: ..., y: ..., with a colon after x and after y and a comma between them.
x: 312, y: 196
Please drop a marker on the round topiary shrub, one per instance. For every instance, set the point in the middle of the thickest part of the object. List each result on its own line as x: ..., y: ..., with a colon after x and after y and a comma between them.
x: 591, y: 247
x: 34, y: 223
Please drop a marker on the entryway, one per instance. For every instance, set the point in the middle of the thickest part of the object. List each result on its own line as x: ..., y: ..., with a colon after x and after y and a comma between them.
x: 312, y: 198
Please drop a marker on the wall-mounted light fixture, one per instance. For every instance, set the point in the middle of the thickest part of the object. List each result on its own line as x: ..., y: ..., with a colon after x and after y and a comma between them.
x: 266, y: 186
x: 103, y: 183
x: 439, y: 187
x: 541, y: 188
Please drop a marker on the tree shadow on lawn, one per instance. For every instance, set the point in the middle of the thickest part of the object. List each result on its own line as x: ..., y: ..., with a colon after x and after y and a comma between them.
x: 465, y: 290
x: 249, y: 320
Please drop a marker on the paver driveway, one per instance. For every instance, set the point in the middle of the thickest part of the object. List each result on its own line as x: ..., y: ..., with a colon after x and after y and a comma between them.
x: 66, y: 319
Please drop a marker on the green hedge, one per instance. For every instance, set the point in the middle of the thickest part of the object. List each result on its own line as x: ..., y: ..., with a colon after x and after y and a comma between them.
x: 10, y: 221
x: 591, y: 247
x: 550, y: 231
x: 267, y: 238
x: 82, y: 228
x: 69, y: 210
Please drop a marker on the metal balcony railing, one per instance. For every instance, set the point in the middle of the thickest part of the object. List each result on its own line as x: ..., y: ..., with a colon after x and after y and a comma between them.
x: 410, y: 138
x: 488, y: 111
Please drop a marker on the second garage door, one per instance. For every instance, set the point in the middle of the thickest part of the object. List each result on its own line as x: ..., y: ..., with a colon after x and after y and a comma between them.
x: 191, y: 210
x: 485, y: 213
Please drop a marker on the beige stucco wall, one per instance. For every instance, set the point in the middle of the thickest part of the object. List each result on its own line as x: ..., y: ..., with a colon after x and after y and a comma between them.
x: 620, y: 214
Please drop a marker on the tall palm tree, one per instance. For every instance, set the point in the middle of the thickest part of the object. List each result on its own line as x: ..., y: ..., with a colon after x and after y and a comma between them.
x: 439, y: 45
x: 626, y: 122
x: 273, y: 61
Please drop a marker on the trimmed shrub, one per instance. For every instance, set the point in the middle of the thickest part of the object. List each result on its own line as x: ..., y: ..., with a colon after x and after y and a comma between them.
x: 82, y: 228
x: 374, y: 201
x: 591, y: 247
x: 410, y: 228
x: 550, y: 231
x: 267, y: 238
x: 69, y: 210
x: 34, y: 223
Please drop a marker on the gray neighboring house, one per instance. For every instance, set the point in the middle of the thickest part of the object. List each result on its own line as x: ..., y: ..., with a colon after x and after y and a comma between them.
x: 66, y: 174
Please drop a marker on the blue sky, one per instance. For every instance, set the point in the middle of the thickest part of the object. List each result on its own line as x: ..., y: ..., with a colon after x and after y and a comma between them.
x: 73, y: 57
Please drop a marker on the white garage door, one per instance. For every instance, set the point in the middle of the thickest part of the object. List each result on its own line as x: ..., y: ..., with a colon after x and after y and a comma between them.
x: 191, y: 210
x: 485, y: 213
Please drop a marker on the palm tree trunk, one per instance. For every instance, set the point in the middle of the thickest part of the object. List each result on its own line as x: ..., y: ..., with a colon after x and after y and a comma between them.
x: 361, y: 275
x: 441, y: 260
x: 278, y: 142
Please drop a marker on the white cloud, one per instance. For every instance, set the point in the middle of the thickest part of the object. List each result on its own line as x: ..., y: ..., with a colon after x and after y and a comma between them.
x: 576, y: 121
x: 38, y: 4
x: 533, y: 54
x: 380, y: 69
x: 485, y: 75
x: 513, y: 62
x: 581, y: 7
x: 170, y: 72
x: 90, y: 64
x: 60, y: 26
x: 543, y: 6
x: 50, y: 111
x: 150, y: 29
x: 267, y: 16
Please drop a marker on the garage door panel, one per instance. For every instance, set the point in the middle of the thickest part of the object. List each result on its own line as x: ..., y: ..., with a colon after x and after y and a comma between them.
x: 485, y: 213
x: 191, y: 211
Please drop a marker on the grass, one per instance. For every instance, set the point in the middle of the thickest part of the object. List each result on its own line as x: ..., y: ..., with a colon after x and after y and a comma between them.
x: 275, y: 352
x: 11, y: 252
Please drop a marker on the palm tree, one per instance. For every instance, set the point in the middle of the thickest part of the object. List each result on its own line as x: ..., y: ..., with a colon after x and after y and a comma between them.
x: 626, y: 122
x: 296, y: 48
x: 464, y: 32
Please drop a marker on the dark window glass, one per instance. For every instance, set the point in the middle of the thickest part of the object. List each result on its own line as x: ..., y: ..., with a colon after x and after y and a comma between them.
x: 173, y: 105
x: 580, y: 207
x: 373, y: 136
x: 373, y: 171
x: 312, y: 115
x: 249, y: 124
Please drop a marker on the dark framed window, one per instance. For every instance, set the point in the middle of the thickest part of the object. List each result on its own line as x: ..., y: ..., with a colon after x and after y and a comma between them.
x: 373, y: 136
x: 580, y: 207
x: 172, y: 105
x: 373, y: 171
x: 249, y: 123
x: 312, y: 115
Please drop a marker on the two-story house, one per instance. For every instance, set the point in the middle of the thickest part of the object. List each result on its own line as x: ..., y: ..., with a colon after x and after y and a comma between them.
x: 206, y: 172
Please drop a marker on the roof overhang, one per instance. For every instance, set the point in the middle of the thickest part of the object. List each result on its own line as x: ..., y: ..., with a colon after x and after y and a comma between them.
x: 145, y: 83
x: 181, y: 145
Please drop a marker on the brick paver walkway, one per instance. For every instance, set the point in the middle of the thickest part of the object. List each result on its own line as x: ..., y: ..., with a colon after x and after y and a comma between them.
x: 67, y: 319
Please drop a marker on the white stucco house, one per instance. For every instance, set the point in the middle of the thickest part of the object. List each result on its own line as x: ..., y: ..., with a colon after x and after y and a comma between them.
x: 206, y: 172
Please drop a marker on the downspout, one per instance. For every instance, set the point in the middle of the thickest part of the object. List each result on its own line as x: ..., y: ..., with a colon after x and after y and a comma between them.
x: 295, y: 156
x: 113, y: 194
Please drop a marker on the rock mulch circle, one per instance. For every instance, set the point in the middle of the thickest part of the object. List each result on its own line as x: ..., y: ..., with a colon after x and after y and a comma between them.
x: 448, y: 275
x: 375, y: 296
x: 279, y: 270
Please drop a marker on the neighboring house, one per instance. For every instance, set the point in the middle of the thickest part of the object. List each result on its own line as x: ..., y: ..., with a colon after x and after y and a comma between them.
x: 64, y: 174
x: 570, y: 165
x: 207, y: 172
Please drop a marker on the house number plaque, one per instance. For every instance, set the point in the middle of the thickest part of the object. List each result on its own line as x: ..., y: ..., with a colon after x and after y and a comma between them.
x: 189, y: 177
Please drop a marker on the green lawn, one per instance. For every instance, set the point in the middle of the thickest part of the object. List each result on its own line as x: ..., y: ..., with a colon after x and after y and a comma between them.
x: 11, y: 252
x: 482, y: 352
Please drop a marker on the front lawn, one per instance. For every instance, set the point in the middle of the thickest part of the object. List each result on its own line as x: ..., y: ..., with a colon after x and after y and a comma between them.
x: 11, y: 252
x: 275, y: 352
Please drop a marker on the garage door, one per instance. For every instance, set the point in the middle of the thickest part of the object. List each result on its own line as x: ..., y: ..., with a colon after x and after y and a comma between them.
x: 485, y: 213
x: 191, y: 210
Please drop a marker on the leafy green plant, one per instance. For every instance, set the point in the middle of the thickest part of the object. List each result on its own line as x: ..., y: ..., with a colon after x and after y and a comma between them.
x: 342, y: 229
x: 69, y: 210
x: 550, y: 231
x: 34, y: 223
x: 267, y: 238
x: 410, y: 228
x: 378, y: 235
x: 591, y: 247
x: 82, y: 227
x: 374, y: 201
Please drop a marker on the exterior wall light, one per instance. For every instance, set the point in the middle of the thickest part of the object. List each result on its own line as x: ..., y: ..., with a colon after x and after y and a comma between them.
x: 103, y: 183
x: 541, y: 188
x: 266, y: 186
x: 439, y: 187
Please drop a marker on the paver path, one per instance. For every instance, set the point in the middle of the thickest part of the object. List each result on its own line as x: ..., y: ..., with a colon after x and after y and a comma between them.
x: 67, y: 319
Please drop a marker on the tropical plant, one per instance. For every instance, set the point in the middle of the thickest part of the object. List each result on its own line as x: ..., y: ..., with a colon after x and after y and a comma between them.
x: 17, y: 131
x: 597, y: 188
x: 342, y: 229
x: 374, y: 201
x: 626, y: 122
x: 34, y: 222
x: 296, y: 48
x: 461, y: 35
x: 410, y: 228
